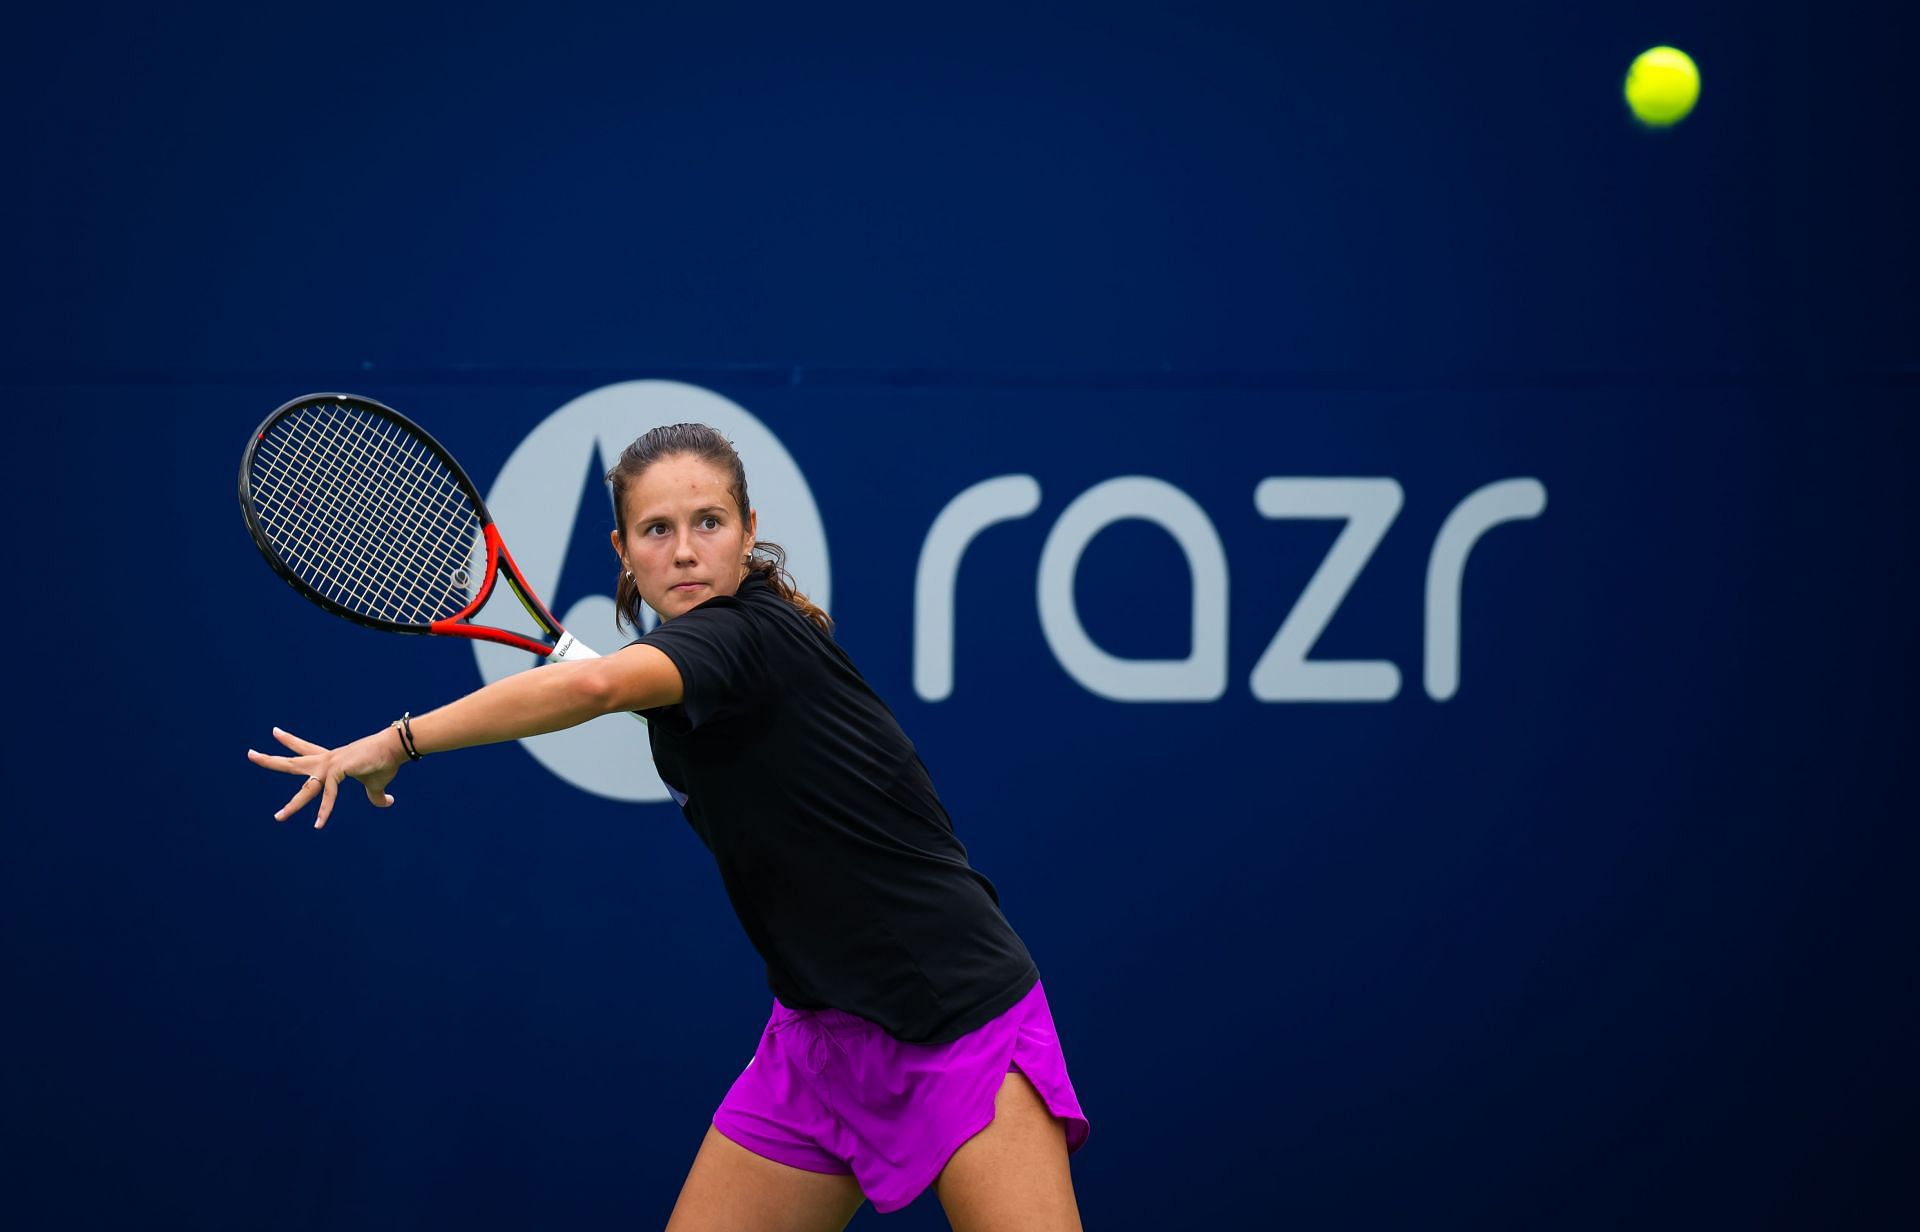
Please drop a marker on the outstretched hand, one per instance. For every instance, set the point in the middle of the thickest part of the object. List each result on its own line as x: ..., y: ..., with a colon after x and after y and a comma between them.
x: 373, y: 761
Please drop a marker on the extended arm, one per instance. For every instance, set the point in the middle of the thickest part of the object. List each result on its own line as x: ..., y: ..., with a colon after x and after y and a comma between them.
x: 554, y: 696
x: 528, y: 703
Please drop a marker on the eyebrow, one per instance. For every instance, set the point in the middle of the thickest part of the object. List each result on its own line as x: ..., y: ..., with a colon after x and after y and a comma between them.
x: 659, y: 517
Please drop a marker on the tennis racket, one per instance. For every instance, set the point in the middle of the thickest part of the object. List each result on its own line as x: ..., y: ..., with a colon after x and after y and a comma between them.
x: 360, y: 510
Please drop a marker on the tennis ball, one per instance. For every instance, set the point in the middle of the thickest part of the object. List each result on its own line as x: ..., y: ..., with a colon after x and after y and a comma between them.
x: 1662, y: 86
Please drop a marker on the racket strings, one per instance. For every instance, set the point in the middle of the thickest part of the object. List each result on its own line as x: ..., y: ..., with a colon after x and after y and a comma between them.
x: 328, y: 561
x: 331, y: 562
x: 336, y: 490
x: 356, y: 541
x: 375, y: 454
x: 363, y: 512
x: 393, y: 487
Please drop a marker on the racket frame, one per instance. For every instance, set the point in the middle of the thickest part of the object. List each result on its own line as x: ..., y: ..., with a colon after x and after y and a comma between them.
x: 499, y: 560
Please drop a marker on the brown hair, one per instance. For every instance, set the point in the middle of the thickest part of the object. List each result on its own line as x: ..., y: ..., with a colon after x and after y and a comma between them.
x: 699, y: 441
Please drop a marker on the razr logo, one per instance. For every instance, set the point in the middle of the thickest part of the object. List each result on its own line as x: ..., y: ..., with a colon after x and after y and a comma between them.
x: 1367, y: 506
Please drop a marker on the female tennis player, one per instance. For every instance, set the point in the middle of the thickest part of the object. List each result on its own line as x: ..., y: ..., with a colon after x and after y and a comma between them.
x: 910, y: 1042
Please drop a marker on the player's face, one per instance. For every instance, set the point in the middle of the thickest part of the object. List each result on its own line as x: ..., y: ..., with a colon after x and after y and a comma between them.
x: 684, y: 540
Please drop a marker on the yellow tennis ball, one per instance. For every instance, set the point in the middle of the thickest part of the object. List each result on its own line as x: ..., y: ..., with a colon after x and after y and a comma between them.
x: 1662, y: 86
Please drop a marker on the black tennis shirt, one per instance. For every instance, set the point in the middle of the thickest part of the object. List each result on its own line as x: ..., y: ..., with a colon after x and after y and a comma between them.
x: 836, y: 853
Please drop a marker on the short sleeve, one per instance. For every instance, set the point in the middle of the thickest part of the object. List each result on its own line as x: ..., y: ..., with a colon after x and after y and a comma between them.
x: 716, y: 649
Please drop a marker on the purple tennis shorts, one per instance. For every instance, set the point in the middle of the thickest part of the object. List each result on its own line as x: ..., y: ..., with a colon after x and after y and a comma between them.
x: 831, y: 1092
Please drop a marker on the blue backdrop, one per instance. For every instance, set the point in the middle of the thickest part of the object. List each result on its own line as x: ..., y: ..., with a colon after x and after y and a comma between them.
x: 1610, y: 925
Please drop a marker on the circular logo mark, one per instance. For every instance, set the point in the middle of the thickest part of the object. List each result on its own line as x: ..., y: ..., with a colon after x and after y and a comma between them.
x: 536, y: 500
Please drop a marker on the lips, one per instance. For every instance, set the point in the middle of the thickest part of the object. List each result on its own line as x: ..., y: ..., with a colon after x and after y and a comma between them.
x: 689, y: 585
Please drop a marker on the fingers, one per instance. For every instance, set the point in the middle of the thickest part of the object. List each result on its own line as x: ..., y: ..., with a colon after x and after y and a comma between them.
x: 296, y: 743
x: 273, y: 761
x: 300, y: 798
x: 329, y: 792
x: 321, y: 765
x: 328, y: 789
x: 375, y: 782
x: 310, y: 759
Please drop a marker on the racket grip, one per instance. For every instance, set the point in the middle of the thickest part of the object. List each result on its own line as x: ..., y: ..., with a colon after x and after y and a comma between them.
x: 571, y: 649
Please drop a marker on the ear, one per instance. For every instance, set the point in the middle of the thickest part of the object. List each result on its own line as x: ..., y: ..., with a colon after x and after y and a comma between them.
x: 613, y: 537
x: 753, y: 528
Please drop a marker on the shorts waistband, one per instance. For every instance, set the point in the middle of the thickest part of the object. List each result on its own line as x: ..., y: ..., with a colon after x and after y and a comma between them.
x: 840, y: 1020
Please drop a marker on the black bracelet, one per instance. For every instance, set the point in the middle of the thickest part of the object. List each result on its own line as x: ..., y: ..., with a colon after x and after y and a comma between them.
x: 405, y: 724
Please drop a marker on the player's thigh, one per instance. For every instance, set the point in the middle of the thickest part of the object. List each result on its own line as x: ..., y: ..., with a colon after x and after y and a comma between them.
x: 1012, y: 1176
x: 730, y: 1188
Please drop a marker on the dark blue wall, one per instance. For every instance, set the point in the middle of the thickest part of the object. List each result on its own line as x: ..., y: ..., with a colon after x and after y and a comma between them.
x: 1619, y: 932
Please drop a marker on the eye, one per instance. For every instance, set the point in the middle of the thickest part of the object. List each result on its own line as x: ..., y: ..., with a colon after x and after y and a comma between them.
x: 712, y: 519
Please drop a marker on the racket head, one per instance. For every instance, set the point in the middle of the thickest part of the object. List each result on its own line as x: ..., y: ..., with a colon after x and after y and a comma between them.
x: 360, y: 510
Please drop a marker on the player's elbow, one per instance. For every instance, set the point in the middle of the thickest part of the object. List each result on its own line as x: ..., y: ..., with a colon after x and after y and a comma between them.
x: 639, y: 677
x: 592, y: 689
